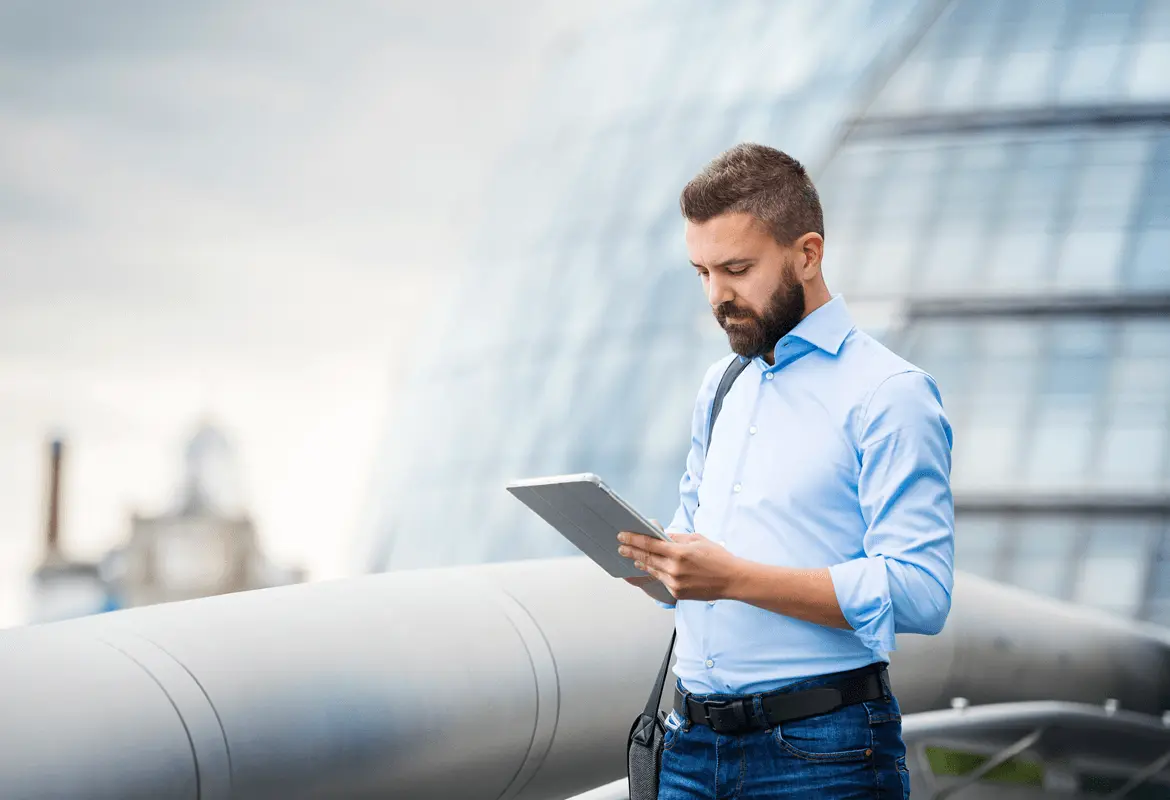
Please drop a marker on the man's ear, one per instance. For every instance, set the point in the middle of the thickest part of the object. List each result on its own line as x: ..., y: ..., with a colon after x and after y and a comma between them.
x: 812, y: 245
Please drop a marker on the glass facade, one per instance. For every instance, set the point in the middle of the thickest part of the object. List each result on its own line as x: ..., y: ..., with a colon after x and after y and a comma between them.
x: 996, y: 182
x: 1007, y: 188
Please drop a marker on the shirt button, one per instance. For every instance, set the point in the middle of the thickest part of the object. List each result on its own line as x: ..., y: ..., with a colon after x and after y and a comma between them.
x: 737, y: 488
x: 710, y: 602
x: 710, y: 663
x: 752, y: 430
x: 771, y: 375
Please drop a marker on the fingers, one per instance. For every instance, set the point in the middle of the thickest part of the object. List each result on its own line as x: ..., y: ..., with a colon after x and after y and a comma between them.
x: 640, y: 557
x: 645, y: 543
x: 656, y: 566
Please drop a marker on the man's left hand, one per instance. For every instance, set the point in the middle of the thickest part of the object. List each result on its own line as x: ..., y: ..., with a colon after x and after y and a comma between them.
x: 692, y: 566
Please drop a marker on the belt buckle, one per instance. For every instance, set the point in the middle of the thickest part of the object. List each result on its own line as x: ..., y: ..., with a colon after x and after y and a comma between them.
x: 726, y: 716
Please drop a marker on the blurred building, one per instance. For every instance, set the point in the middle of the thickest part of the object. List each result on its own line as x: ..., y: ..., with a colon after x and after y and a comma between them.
x: 996, y: 178
x: 577, y: 338
x: 206, y: 544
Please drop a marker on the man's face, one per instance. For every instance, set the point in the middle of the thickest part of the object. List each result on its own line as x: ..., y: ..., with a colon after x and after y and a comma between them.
x: 749, y: 278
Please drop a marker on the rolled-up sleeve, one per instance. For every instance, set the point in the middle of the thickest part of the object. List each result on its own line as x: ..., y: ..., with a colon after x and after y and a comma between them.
x: 903, y: 583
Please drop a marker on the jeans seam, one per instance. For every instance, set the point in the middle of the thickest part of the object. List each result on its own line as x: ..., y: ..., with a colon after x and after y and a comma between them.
x: 742, y: 768
x: 840, y: 756
x: 873, y: 763
x: 717, y: 765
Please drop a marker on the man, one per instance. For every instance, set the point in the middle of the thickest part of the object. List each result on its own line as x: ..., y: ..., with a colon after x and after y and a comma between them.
x: 817, y: 525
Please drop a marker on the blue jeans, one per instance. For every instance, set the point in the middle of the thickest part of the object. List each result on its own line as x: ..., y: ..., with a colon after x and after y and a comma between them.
x: 853, y: 752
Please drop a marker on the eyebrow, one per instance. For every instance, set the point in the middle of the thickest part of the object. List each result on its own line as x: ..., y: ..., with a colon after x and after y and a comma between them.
x: 731, y: 262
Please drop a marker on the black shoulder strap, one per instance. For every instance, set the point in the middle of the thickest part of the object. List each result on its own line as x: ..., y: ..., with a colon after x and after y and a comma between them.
x: 656, y: 695
x: 732, y: 372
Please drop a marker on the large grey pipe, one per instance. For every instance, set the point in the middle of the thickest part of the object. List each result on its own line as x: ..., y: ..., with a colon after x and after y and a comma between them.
x: 504, y: 681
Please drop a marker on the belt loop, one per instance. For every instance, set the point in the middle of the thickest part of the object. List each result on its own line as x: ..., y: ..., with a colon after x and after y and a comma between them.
x: 761, y: 718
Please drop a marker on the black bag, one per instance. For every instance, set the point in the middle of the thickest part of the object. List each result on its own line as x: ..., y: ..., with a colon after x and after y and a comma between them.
x: 644, y: 753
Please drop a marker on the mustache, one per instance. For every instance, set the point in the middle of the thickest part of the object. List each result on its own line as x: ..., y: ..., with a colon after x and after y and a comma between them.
x: 729, y: 309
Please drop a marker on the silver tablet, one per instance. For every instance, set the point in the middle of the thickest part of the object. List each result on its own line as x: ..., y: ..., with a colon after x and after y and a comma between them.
x: 589, y: 514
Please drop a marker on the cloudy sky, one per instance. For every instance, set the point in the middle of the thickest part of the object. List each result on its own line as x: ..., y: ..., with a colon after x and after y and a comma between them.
x: 238, y: 210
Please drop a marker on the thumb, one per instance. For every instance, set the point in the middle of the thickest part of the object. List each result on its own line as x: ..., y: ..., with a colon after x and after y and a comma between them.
x: 669, y: 534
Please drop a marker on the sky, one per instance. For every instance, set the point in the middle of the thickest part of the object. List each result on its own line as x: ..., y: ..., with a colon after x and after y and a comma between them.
x: 235, y: 211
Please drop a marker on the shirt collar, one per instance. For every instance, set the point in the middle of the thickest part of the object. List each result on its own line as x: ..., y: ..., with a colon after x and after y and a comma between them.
x: 827, y: 326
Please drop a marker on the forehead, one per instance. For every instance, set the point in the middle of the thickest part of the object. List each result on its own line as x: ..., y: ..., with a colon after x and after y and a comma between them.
x: 726, y: 236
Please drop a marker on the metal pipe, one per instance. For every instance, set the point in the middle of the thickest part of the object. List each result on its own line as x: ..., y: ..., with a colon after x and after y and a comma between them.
x: 504, y: 682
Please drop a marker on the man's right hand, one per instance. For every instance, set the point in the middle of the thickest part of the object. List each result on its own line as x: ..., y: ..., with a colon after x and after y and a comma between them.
x: 649, y: 584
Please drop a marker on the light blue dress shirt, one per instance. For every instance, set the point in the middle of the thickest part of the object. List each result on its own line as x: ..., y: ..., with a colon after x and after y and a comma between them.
x: 838, y: 456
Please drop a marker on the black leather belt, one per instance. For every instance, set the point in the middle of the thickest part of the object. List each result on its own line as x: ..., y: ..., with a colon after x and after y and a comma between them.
x: 738, y: 715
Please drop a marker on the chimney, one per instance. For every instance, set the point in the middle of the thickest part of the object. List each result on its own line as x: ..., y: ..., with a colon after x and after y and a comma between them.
x: 53, y: 523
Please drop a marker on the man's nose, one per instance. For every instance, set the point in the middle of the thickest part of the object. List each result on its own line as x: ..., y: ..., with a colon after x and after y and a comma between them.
x: 718, y: 291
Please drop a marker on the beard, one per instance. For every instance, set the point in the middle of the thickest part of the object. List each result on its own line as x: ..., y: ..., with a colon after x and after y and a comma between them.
x: 752, y: 334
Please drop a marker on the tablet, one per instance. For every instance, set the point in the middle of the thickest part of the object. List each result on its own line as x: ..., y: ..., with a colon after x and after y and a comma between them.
x: 590, y: 515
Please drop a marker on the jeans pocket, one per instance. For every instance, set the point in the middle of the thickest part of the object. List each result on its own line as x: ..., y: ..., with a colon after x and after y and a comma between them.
x: 842, y: 735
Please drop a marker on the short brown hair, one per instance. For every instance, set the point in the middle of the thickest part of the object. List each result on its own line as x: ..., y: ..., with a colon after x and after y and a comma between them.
x: 762, y: 181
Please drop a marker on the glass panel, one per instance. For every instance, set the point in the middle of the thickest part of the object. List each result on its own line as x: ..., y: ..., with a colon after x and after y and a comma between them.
x: 1116, y: 565
x: 1134, y: 446
x: 1090, y: 260
x: 1071, y: 383
x: 906, y: 90
x: 987, y: 451
x: 1108, y: 185
x: 1023, y: 79
x: 1029, y: 42
x: 903, y: 202
x: 1149, y: 268
x: 978, y: 541
x: 1133, y: 453
x: 1042, y: 558
x: 950, y: 260
x: 885, y: 265
x: 942, y: 348
x: 1149, y: 65
x: 1033, y: 195
x: 964, y: 72
x: 1091, y: 73
x: 1017, y: 259
x: 1155, y: 208
x: 1094, y: 52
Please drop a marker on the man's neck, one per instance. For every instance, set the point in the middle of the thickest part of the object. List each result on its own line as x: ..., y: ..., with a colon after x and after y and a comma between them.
x: 813, y: 301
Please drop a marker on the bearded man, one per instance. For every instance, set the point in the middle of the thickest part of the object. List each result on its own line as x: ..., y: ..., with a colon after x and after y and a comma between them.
x: 815, y: 524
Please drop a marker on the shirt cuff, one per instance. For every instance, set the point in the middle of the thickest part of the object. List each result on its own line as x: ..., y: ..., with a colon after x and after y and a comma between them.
x: 863, y: 592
